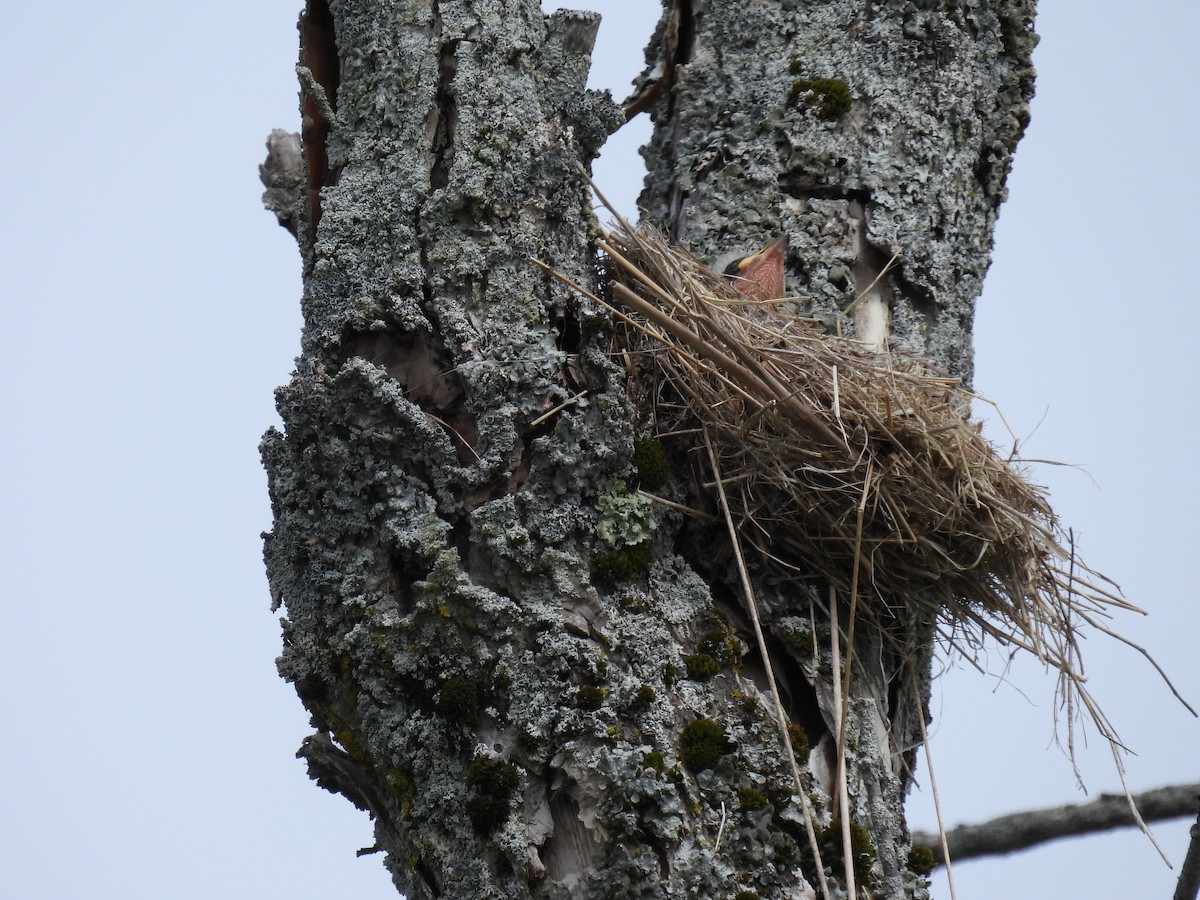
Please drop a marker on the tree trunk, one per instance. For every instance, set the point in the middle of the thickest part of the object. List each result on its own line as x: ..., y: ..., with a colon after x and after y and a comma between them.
x: 527, y: 702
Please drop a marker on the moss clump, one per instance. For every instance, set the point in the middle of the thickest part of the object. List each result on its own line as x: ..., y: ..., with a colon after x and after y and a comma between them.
x: 829, y: 840
x: 799, y: 739
x: 746, y: 895
x: 623, y: 564
x: 701, y: 744
x: 494, y: 781
x: 590, y: 697
x: 642, y: 698
x: 701, y: 666
x: 722, y: 646
x: 921, y: 860
x: 751, y: 799
x: 828, y: 97
x: 458, y: 701
x: 650, y: 463
x: 400, y: 783
x: 800, y: 640
x: 716, y: 650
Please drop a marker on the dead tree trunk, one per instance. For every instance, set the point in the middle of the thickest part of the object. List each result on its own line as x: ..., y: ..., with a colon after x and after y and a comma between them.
x: 533, y: 678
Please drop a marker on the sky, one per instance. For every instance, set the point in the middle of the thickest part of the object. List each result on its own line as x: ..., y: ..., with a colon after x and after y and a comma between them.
x: 152, y: 307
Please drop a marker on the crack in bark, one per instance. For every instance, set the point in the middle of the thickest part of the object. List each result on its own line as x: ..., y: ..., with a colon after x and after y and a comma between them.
x: 446, y: 115
x: 319, y: 55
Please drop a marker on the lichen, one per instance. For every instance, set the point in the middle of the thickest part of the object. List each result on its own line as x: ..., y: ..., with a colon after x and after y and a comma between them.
x: 626, y: 518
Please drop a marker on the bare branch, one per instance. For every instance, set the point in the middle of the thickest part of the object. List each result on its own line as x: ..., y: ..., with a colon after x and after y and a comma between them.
x: 1018, y: 831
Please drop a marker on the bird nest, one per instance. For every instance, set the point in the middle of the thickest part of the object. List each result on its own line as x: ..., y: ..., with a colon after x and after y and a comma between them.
x: 856, y: 466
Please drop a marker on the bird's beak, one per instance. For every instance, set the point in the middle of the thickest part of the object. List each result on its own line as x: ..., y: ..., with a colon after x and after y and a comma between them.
x: 761, y: 275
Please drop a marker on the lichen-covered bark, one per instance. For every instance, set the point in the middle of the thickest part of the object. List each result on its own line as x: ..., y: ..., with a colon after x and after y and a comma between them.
x: 532, y: 677
x: 863, y: 129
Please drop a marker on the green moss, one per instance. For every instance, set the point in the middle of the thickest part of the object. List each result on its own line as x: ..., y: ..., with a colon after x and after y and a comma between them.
x: 921, y: 860
x: 1015, y: 34
x: 800, y: 640
x: 716, y: 650
x: 722, y: 646
x: 751, y: 710
x: 828, y: 97
x: 494, y: 781
x: 590, y: 697
x: 799, y: 739
x: 400, y: 783
x: 346, y: 738
x: 702, y: 744
x: 750, y: 799
x: 402, y: 788
x: 458, y: 701
x: 622, y: 565
x: 650, y: 463
x: 701, y: 666
x: 643, y: 697
x: 829, y: 840
x: 746, y: 895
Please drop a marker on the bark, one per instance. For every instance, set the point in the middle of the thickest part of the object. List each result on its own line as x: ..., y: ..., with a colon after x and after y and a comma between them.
x: 864, y: 131
x: 1019, y: 831
x: 496, y: 670
x: 1188, y: 887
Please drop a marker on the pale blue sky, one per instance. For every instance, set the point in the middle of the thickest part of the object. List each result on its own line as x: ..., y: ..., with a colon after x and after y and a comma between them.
x: 151, y: 307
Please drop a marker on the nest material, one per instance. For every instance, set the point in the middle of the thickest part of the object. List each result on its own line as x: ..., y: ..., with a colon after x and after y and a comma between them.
x: 859, y: 467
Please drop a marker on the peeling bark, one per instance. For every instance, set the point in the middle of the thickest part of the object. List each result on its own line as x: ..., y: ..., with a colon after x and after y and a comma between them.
x: 533, y: 679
